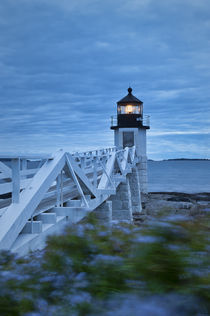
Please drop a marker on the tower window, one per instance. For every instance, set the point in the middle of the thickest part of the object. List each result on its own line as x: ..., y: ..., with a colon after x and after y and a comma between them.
x: 128, y: 139
x: 129, y: 109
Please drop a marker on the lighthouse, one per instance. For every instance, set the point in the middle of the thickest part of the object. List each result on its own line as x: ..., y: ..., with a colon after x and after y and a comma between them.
x: 130, y: 126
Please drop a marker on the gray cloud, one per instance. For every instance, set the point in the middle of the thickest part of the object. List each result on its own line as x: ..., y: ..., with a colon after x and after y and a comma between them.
x: 64, y: 64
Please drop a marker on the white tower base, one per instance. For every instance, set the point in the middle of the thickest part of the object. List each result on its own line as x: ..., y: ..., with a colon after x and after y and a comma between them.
x: 133, y: 136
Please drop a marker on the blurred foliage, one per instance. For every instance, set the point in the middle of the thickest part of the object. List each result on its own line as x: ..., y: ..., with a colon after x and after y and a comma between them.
x: 89, y: 266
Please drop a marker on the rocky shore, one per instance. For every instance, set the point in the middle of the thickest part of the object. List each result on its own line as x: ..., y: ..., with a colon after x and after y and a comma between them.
x: 173, y: 203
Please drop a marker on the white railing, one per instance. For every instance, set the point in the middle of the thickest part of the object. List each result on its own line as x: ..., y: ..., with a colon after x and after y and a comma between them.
x: 145, y: 121
x: 33, y: 184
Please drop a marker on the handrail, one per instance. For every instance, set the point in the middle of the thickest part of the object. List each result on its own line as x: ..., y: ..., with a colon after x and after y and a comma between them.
x: 20, y: 174
x: 25, y: 156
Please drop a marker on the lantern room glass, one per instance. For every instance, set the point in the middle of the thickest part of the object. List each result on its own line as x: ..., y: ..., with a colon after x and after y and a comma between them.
x: 129, y: 109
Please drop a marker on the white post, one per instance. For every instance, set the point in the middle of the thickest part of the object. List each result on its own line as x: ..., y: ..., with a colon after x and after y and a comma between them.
x: 104, y: 158
x: 62, y: 188
x: 95, y: 172
x: 24, y: 166
x: 58, y: 190
x: 83, y: 163
x: 15, y: 180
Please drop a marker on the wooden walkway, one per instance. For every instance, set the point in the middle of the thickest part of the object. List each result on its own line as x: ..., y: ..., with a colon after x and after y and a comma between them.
x: 38, y: 193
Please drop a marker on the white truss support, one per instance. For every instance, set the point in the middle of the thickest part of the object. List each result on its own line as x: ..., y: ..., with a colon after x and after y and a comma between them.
x: 15, y: 180
x: 81, y: 175
x: 71, y: 169
x: 130, y: 158
x: 106, y: 177
x: 125, y: 159
x: 119, y: 165
x: 133, y: 153
x: 16, y: 216
x: 5, y: 170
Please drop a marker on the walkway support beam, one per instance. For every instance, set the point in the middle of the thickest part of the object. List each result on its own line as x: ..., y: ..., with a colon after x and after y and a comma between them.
x: 15, y: 180
x: 17, y: 214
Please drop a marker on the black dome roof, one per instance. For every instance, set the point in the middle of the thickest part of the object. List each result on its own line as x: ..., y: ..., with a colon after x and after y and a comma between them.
x: 129, y: 98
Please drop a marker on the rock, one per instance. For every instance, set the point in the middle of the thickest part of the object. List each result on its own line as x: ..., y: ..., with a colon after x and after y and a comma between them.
x: 179, y: 199
x: 172, y: 204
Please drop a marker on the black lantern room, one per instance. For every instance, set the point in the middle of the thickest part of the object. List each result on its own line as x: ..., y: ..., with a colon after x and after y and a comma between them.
x: 129, y: 112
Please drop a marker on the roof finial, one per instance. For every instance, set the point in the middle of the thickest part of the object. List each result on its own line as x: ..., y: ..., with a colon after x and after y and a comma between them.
x: 129, y: 90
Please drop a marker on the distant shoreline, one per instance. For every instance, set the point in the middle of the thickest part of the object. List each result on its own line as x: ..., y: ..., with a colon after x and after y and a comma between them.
x: 182, y: 159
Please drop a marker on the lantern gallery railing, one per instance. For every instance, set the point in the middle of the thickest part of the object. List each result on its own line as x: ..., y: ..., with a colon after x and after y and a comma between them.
x: 145, y: 121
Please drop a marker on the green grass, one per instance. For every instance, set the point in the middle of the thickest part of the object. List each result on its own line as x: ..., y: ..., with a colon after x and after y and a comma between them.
x: 89, y: 265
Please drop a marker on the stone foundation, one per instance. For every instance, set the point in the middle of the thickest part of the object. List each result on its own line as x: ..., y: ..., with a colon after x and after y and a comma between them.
x: 135, y: 191
x: 142, y: 173
x: 103, y: 213
x: 121, y: 203
x: 126, y: 203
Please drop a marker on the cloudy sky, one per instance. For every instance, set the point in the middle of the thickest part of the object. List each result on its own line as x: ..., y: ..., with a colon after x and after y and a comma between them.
x: 65, y: 63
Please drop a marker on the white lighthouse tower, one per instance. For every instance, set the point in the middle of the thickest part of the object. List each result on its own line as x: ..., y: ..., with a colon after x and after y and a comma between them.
x: 130, y: 127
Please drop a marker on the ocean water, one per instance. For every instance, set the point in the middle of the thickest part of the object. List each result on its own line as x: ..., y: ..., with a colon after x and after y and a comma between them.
x: 189, y: 176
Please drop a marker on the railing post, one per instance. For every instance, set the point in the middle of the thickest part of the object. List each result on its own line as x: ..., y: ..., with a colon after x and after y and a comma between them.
x: 62, y: 188
x: 15, y: 180
x: 58, y: 190
x: 24, y: 164
x: 104, y: 159
x: 83, y: 163
x: 24, y: 167
x: 95, y: 172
